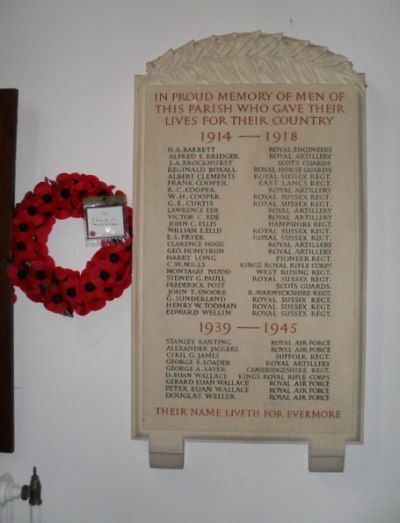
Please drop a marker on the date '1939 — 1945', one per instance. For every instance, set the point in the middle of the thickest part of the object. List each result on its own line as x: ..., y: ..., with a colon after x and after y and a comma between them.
x: 271, y: 329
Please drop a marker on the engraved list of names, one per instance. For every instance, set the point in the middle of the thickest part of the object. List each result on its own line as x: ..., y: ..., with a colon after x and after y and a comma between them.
x: 249, y: 253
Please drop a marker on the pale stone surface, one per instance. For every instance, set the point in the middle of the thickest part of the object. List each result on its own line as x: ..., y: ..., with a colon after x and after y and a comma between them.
x: 250, y: 247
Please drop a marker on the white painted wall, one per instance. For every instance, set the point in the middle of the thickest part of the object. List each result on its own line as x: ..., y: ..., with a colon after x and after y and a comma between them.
x: 73, y: 63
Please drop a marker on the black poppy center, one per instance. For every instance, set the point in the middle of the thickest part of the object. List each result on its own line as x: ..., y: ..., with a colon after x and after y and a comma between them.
x: 71, y: 292
x: 57, y: 299
x: 41, y: 275
x: 104, y: 275
x: 114, y: 257
x: 65, y: 193
x: 23, y: 227
x: 89, y: 287
x: 32, y: 210
x: 21, y: 246
x: 47, y: 198
x: 22, y: 275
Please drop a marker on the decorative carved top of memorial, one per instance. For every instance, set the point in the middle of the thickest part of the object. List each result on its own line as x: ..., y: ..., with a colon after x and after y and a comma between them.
x: 251, y: 58
x: 249, y: 300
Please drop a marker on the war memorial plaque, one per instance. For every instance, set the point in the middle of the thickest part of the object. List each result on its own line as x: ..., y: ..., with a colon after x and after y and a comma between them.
x: 248, y: 306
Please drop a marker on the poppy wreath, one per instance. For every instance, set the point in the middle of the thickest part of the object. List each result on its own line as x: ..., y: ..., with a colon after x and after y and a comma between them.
x: 33, y: 270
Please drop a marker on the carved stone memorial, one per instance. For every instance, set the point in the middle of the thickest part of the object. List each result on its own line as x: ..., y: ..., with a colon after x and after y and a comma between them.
x: 249, y: 247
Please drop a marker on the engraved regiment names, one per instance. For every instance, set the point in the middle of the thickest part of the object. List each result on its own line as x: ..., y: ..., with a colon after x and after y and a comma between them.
x: 292, y: 280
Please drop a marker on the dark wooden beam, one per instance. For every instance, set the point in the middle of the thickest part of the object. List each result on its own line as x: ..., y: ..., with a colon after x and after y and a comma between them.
x: 8, y: 140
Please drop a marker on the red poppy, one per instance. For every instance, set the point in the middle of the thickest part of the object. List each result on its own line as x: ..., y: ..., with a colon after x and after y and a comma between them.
x: 47, y: 197
x: 81, y: 190
x: 82, y: 308
x: 91, y: 305
x: 69, y: 178
x: 64, y: 275
x: 68, y: 282
x: 19, y: 274
x: 34, y: 293
x: 43, y: 271
x: 55, y: 301
x: 118, y: 254
x: 29, y: 212
x: 102, y: 273
x: 86, y: 287
x: 24, y: 250
x: 121, y: 284
x: 24, y: 227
